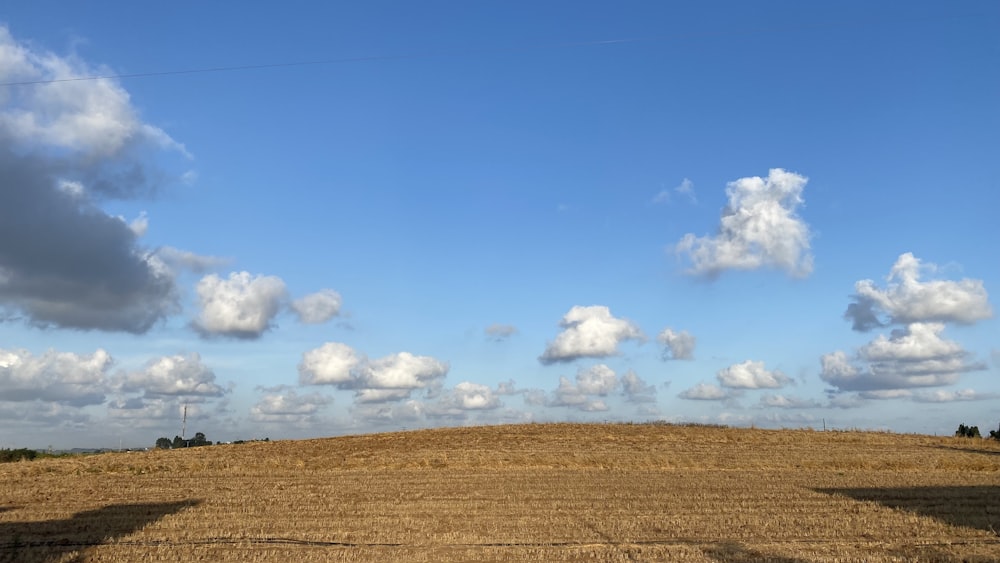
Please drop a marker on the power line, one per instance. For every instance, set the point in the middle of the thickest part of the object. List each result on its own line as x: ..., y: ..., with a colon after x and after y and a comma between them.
x: 316, y: 62
x: 526, y: 48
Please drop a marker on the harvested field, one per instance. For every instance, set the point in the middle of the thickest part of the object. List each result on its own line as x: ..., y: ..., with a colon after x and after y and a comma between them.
x: 557, y: 492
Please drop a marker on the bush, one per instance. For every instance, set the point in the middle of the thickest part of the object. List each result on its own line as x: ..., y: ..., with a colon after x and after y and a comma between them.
x: 17, y: 455
x: 995, y: 434
x: 967, y: 431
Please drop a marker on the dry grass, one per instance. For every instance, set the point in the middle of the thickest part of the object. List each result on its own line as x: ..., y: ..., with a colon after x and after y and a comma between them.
x: 530, y: 492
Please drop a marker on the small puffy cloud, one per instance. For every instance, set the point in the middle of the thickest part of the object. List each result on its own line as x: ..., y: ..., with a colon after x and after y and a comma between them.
x: 676, y: 345
x: 61, y: 377
x: 499, y: 332
x: 285, y: 406
x: 943, y: 396
x: 317, y: 308
x: 386, y: 379
x: 467, y: 396
x: 332, y: 363
x: 636, y: 390
x: 589, y: 332
x: 596, y: 380
x: 759, y: 228
x: 242, y: 306
x: 751, y: 375
x: 403, y: 370
x: 916, y: 356
x: 906, y: 299
x: 786, y: 402
x: 178, y: 375
x: 706, y: 392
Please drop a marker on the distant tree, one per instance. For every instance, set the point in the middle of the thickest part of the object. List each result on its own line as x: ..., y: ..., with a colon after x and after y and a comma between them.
x: 967, y: 431
x: 17, y: 455
x: 199, y: 440
x: 178, y: 442
x: 995, y: 434
x: 163, y: 443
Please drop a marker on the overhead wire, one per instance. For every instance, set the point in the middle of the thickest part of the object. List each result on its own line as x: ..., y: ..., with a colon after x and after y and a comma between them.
x: 456, y: 52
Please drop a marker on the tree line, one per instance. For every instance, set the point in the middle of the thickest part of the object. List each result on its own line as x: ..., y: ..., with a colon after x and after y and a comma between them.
x: 178, y: 442
x: 973, y: 432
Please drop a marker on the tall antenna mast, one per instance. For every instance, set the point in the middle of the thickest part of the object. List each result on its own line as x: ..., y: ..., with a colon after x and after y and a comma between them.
x: 184, y: 421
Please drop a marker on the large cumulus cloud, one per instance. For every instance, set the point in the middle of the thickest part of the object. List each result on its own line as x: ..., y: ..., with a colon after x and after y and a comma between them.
x: 916, y: 354
x: 64, y: 148
x: 759, y: 228
x: 907, y: 299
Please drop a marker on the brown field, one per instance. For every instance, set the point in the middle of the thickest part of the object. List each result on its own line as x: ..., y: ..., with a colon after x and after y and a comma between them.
x: 559, y: 492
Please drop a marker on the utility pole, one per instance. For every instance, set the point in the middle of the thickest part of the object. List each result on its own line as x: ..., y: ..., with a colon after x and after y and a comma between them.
x: 184, y: 422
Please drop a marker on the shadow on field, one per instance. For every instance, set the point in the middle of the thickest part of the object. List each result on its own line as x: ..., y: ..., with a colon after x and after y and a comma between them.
x: 732, y: 552
x: 968, y: 450
x: 970, y: 507
x: 49, y: 541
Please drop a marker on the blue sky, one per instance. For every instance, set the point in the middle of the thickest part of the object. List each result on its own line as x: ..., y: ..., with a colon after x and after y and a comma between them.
x: 495, y: 212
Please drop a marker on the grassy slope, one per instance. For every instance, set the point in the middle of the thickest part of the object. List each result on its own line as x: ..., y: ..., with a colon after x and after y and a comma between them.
x: 524, y: 492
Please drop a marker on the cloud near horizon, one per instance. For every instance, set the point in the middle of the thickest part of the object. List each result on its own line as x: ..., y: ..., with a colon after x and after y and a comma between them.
x: 759, y: 228
x: 915, y: 356
x: 391, y: 378
x: 751, y: 375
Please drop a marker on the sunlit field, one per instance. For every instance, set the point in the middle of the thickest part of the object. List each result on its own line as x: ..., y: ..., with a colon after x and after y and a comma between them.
x: 527, y: 492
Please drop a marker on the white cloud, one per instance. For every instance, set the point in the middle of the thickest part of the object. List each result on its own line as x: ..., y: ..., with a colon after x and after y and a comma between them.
x: 916, y: 356
x: 243, y: 306
x: 943, y: 396
x: 332, y: 363
x: 139, y: 225
x: 144, y: 412
x: 61, y: 377
x: 751, y: 375
x: 685, y: 188
x: 919, y: 342
x: 93, y: 117
x: 906, y: 299
x: 174, y: 375
x: 464, y: 398
x: 636, y: 390
x: 317, y: 308
x: 596, y: 380
x: 786, y: 402
x: 677, y: 345
x: 386, y: 379
x: 285, y: 406
x: 381, y: 395
x: 589, y: 332
x: 706, y: 392
x: 176, y: 259
x: 403, y: 370
x: 500, y: 332
x: 759, y: 228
